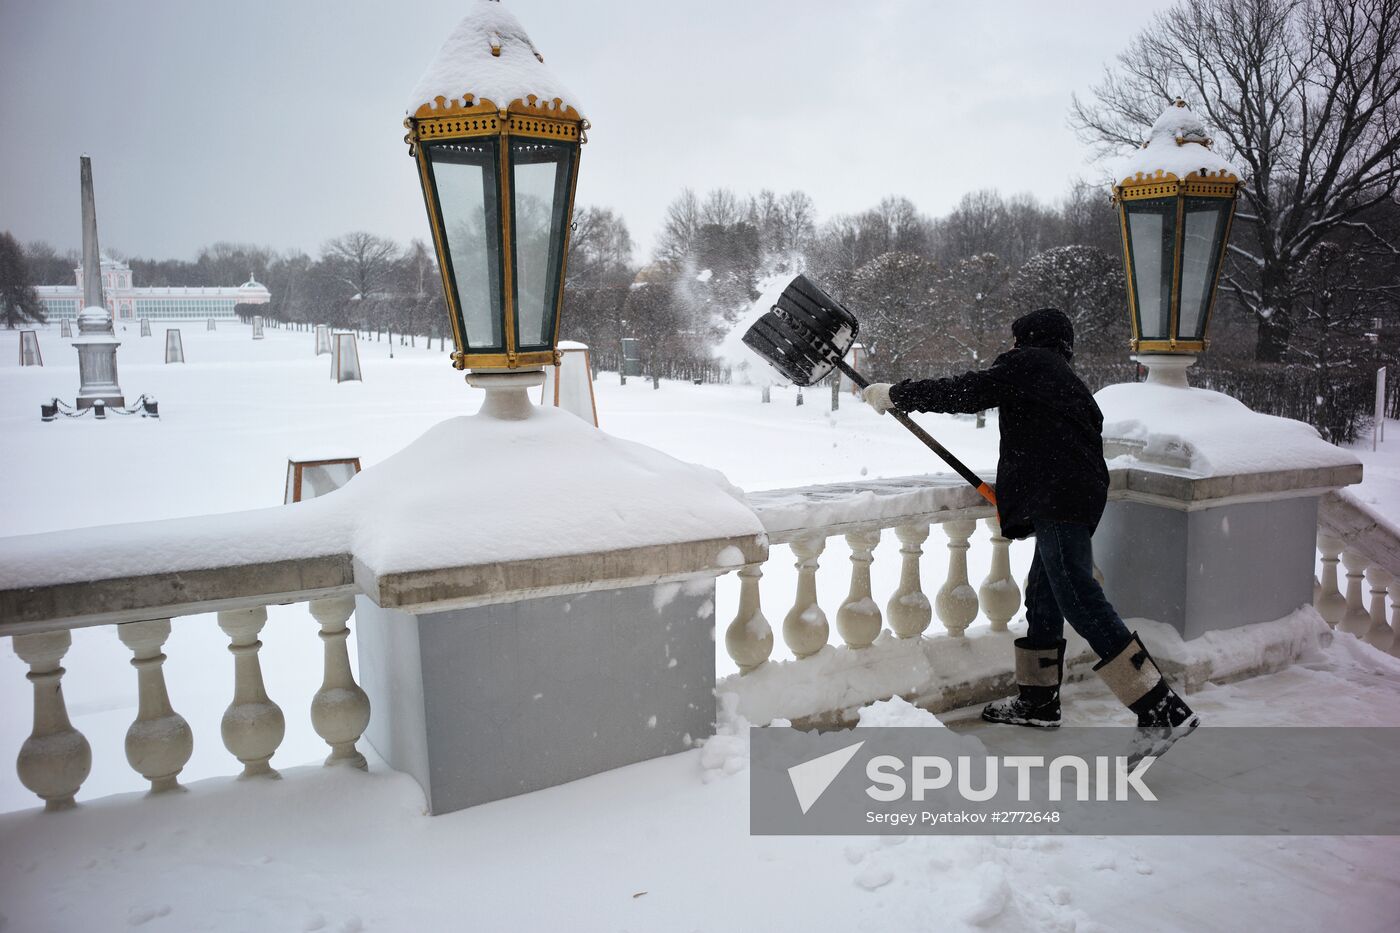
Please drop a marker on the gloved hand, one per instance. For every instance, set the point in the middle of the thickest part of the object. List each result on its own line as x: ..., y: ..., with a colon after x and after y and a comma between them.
x: 877, y: 396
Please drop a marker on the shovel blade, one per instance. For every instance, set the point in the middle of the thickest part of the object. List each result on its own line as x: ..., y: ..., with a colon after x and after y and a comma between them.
x: 805, y: 334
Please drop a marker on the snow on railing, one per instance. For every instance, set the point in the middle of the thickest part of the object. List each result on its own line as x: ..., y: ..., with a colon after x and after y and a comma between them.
x: 1352, y: 533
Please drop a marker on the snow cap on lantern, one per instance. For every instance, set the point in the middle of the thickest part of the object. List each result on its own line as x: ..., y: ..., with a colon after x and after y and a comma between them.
x: 1179, y: 145
x: 489, y: 59
x: 1175, y: 199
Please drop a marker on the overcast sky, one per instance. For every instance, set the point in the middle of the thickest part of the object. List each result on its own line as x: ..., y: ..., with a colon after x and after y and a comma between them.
x: 278, y: 121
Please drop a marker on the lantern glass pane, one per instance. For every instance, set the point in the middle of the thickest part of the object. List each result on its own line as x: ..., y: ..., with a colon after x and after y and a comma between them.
x: 1203, y: 229
x: 540, y: 175
x: 1151, y: 241
x: 468, y: 203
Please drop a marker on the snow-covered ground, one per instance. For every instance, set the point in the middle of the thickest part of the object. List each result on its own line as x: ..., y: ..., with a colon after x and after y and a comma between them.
x: 659, y: 845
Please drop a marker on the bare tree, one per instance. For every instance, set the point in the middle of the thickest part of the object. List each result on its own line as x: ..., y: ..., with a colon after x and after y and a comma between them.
x: 363, y: 261
x: 679, y: 229
x: 1306, y: 97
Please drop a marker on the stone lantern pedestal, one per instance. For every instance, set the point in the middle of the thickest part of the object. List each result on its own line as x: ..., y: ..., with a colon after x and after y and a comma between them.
x: 538, y: 599
x: 1213, y: 522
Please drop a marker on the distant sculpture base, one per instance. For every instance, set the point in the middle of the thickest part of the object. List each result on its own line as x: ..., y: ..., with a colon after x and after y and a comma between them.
x: 111, y: 401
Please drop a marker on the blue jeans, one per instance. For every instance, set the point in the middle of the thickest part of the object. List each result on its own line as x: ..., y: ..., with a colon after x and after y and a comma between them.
x: 1061, y: 586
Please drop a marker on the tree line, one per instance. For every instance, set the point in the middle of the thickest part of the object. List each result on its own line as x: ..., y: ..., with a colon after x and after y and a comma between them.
x: 1303, y: 94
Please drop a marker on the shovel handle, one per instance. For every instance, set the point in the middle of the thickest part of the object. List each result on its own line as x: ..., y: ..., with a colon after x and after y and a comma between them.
x: 986, y: 491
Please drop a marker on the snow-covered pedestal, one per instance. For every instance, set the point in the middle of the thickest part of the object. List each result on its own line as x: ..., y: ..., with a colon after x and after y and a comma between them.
x: 539, y: 601
x: 1214, y: 525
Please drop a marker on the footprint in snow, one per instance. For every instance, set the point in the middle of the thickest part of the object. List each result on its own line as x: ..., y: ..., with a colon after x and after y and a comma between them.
x: 136, y: 916
x: 873, y: 876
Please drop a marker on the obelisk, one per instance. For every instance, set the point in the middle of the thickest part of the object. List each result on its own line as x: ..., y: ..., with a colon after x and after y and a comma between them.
x: 97, y: 340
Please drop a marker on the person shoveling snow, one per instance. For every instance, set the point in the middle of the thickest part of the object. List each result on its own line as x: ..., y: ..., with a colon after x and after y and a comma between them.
x: 1052, y: 484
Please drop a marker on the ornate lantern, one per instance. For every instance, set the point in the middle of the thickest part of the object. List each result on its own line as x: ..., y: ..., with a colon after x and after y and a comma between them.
x: 1175, y: 203
x: 496, y: 138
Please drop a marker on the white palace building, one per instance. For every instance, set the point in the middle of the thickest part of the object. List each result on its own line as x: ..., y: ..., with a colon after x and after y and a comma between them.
x: 126, y: 303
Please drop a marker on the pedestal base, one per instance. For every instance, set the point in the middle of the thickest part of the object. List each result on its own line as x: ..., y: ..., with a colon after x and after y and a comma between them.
x: 493, y: 701
x: 111, y: 401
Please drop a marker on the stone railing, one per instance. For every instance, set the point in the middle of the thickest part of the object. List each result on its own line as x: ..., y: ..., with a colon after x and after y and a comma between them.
x: 882, y: 644
x: 1368, y: 548
x: 56, y: 758
x: 140, y: 578
x: 885, y: 643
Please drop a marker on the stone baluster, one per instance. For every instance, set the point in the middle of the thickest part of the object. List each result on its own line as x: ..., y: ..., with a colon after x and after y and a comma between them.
x: 1379, y: 635
x: 909, y: 609
x: 56, y: 758
x: 749, y: 638
x: 1330, y: 604
x: 159, y: 743
x: 956, y: 601
x: 1356, y: 620
x: 340, y: 709
x: 999, y: 594
x: 858, y: 620
x: 1395, y: 615
x: 805, y: 629
x: 253, y: 725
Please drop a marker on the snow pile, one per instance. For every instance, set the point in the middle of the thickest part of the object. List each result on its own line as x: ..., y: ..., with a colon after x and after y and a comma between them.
x: 1177, y: 144
x: 840, y: 680
x: 896, y: 711
x: 489, y: 57
x: 1207, y: 433
x: 480, y: 490
x: 883, y: 500
x: 726, y: 753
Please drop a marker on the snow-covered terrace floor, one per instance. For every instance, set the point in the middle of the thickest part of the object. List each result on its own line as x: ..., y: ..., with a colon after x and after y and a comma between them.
x: 664, y: 845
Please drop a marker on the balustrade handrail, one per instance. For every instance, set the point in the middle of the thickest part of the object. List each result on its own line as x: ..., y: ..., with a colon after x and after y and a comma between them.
x: 1360, y: 528
x: 255, y: 570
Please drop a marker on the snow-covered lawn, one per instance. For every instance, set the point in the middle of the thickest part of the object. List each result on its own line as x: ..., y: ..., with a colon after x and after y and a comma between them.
x: 664, y: 845
x: 659, y: 845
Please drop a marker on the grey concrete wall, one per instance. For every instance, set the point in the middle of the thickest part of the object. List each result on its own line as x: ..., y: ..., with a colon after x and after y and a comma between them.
x: 1209, y: 569
x: 390, y: 668
x: 1251, y: 562
x: 515, y: 697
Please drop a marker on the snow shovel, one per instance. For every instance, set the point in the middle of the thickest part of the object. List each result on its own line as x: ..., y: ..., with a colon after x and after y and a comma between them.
x: 808, y: 333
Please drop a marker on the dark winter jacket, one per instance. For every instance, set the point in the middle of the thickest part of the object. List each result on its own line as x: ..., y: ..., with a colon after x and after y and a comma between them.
x: 1051, y: 462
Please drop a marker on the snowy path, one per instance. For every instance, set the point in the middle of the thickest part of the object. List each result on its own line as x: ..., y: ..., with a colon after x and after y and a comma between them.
x: 656, y: 847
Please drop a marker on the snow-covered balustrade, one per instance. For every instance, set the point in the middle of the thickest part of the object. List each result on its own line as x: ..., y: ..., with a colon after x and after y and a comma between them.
x: 1179, y: 533
x: 872, y: 662
x: 625, y: 545
x: 1353, y: 535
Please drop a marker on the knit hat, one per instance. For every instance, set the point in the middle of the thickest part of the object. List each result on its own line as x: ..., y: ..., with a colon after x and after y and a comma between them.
x: 1048, y: 329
